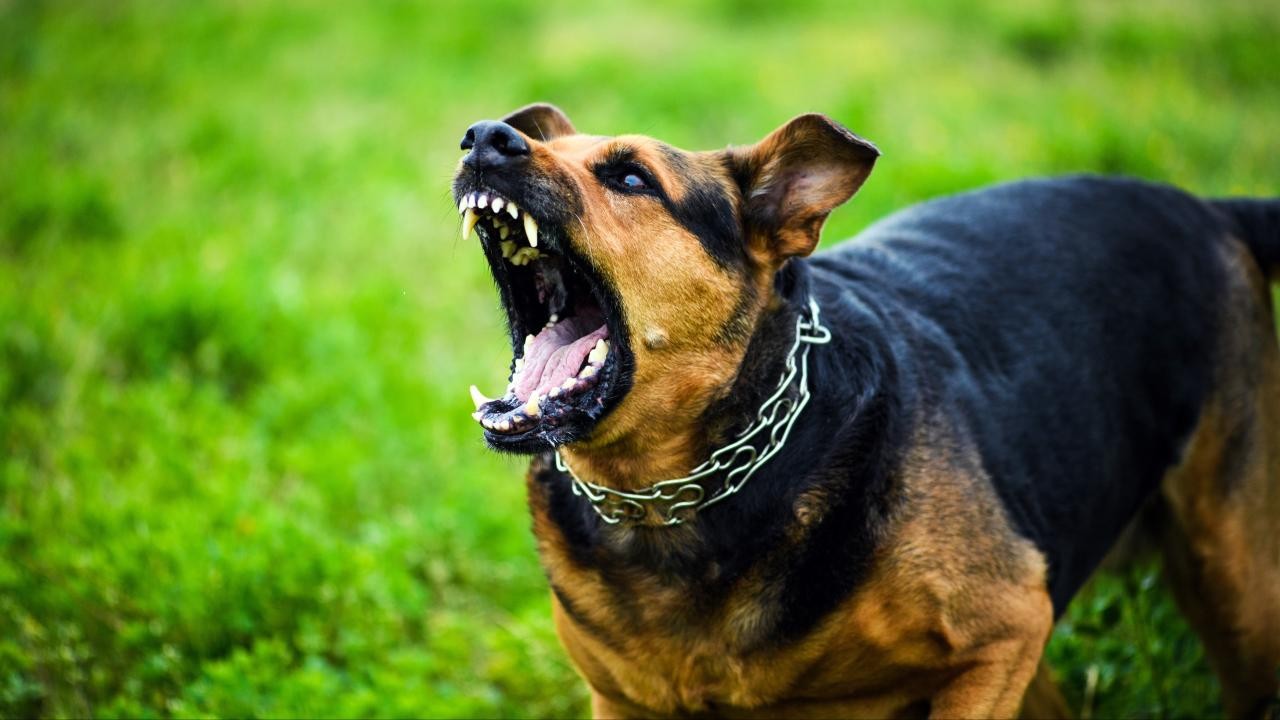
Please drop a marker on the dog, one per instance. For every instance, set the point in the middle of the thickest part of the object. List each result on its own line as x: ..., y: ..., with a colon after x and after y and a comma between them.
x: 866, y: 482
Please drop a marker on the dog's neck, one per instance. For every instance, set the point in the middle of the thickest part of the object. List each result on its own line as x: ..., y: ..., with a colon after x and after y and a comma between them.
x: 655, y: 454
x: 852, y: 423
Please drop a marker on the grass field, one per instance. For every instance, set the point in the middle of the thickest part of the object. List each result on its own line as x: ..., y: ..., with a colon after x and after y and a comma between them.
x: 237, y: 325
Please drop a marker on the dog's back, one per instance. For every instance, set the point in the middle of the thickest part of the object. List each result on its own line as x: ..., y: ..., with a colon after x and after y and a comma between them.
x: 1097, y: 336
x: 1057, y: 316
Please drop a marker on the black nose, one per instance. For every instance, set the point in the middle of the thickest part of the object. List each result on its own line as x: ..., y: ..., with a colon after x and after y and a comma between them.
x: 494, y: 144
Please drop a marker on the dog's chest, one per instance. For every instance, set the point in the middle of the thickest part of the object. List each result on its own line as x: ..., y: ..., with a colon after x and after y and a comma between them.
x: 645, y: 642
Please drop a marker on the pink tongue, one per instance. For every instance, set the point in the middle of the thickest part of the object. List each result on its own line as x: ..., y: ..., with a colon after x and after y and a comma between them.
x: 556, y: 355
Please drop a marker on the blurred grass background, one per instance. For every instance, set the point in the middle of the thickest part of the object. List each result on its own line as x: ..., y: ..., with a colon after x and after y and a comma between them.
x: 237, y: 474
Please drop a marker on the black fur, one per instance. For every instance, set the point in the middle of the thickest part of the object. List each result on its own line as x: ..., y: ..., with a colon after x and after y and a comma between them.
x: 707, y: 214
x: 705, y: 211
x: 1068, y: 326
x: 1065, y: 326
x: 1257, y: 223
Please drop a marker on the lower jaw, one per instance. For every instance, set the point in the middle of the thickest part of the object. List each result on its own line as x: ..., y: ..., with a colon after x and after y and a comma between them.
x: 569, y: 427
x: 509, y: 416
x: 548, y: 417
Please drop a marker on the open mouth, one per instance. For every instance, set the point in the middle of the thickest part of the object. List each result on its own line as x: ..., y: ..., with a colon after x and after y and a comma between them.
x: 566, y: 333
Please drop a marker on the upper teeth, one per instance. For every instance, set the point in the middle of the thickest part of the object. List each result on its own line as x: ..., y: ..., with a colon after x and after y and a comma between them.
x: 531, y: 229
x: 469, y: 220
x: 488, y: 201
x: 475, y: 205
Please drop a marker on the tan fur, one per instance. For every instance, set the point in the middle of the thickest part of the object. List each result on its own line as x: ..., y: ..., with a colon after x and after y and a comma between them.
x: 801, y: 172
x: 653, y: 264
x: 1044, y: 700
x: 954, y: 616
x: 651, y: 434
x: 1222, y: 546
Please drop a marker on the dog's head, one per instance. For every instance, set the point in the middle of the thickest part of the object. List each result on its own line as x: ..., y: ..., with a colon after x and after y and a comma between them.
x: 632, y: 272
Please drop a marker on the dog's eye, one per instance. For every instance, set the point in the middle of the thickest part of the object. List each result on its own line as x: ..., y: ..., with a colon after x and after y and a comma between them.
x: 627, y: 177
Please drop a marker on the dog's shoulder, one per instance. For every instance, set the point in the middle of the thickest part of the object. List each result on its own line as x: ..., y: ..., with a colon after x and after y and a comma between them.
x: 1031, y: 313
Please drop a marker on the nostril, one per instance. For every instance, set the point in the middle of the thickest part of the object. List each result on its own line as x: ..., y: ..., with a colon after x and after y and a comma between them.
x: 508, y: 142
x: 492, y: 143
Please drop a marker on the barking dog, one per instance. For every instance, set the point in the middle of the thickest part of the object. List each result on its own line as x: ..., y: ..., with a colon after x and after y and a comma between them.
x: 867, y: 482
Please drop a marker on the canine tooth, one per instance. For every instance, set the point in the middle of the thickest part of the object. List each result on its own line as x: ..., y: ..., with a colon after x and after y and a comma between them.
x: 531, y: 230
x: 531, y: 408
x: 512, y: 210
x: 469, y: 220
x: 503, y: 232
x: 598, y: 352
x: 478, y: 397
x: 496, y: 204
x: 508, y: 248
x: 483, y: 202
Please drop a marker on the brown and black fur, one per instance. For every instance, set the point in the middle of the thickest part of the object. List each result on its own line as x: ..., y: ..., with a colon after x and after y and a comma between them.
x: 1014, y: 374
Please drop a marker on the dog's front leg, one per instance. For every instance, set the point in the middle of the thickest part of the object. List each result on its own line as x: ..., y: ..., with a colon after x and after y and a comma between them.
x: 604, y: 709
x: 994, y: 686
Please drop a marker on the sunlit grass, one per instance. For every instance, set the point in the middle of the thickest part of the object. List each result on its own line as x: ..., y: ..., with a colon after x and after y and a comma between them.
x: 237, y: 475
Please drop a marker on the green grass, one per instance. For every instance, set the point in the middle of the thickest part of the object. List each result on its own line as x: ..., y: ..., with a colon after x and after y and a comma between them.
x: 237, y: 475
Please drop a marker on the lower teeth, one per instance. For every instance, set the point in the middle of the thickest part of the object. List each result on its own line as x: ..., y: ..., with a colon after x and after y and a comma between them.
x: 532, y: 410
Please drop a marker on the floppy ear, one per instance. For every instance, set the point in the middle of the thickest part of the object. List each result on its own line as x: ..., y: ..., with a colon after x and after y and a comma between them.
x: 794, y: 178
x: 540, y: 121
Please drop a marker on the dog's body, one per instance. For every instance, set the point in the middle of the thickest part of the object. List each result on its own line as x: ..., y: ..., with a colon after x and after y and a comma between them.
x: 1013, y: 374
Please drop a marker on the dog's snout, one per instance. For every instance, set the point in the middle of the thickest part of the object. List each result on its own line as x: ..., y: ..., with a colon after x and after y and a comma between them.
x: 494, y: 144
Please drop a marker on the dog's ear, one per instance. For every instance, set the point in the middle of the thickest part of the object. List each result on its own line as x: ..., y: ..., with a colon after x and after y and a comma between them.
x: 540, y: 121
x: 794, y: 178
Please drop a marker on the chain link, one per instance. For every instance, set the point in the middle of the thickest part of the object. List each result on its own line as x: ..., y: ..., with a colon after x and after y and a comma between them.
x: 738, y: 460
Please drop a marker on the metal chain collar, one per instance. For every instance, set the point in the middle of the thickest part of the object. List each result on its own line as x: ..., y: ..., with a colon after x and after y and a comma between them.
x: 739, y: 460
